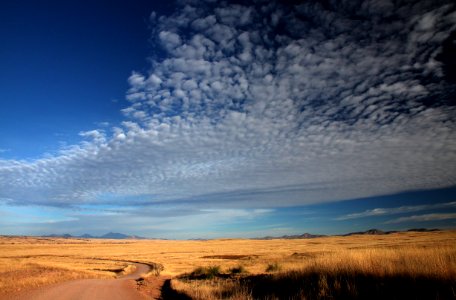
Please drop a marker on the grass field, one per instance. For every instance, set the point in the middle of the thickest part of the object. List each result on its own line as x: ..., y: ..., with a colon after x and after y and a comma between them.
x: 409, y: 264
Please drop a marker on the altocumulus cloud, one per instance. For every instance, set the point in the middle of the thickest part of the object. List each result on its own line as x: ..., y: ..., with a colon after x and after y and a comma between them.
x: 267, y: 104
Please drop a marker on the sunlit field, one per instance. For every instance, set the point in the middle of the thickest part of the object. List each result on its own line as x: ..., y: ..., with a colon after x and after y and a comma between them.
x: 399, y: 265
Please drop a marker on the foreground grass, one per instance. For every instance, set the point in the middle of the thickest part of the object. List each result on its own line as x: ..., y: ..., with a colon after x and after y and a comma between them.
x: 321, y: 268
x: 20, y: 271
x: 403, y: 273
x: 18, y: 276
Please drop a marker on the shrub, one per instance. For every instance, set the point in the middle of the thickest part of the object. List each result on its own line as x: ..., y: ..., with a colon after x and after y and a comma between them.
x: 274, y: 267
x: 206, y: 272
x: 238, y: 270
x: 156, y: 268
x: 212, y: 271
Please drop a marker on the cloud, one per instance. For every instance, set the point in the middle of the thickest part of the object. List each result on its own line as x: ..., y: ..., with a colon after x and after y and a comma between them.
x: 148, y: 222
x: 396, y: 210
x: 423, y: 218
x: 268, y: 104
x: 170, y: 41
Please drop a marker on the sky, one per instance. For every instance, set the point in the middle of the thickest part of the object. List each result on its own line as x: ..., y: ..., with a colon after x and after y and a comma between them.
x: 205, y: 119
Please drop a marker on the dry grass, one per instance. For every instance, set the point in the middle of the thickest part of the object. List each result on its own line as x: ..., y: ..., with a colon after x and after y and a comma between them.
x: 27, y: 263
x: 128, y: 269
x: 375, y: 267
x: 19, y: 274
x: 212, y: 289
x: 413, y: 261
x: 412, y: 254
x: 418, y: 272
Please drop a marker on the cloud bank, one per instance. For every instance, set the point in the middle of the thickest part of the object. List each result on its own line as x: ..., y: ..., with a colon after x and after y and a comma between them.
x: 423, y: 218
x: 397, y: 210
x: 269, y: 104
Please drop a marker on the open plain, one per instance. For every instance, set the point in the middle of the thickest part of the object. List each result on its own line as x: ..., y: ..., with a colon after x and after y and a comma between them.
x: 418, y: 265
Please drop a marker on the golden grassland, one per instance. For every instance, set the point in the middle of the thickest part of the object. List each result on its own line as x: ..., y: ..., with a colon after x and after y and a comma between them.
x: 318, y: 268
x: 337, y: 274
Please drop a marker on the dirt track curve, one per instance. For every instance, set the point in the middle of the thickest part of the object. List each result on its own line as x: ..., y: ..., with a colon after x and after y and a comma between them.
x: 122, y: 288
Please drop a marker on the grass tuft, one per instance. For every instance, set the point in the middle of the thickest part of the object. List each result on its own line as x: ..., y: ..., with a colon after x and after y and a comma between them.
x: 238, y: 270
x: 205, y: 272
x: 128, y: 269
x: 273, y: 267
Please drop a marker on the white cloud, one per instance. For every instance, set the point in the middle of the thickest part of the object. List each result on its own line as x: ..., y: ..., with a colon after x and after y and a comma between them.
x: 146, y: 221
x: 261, y: 108
x: 169, y: 39
x: 396, y: 210
x: 424, y: 218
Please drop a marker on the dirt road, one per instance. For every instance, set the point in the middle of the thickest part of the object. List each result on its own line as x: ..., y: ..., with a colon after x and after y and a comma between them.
x: 122, y: 288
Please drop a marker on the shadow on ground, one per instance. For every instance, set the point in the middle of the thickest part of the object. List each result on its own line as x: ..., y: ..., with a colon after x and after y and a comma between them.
x: 321, y: 285
x: 298, y: 285
x: 167, y: 292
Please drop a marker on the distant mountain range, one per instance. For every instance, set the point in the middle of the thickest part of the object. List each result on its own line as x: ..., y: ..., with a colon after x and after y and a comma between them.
x: 367, y: 232
x: 121, y: 236
x: 379, y: 232
x: 291, y: 237
x: 109, y: 235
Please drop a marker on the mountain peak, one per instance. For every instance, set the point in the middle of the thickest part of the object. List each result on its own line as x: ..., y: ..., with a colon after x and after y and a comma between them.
x: 109, y: 235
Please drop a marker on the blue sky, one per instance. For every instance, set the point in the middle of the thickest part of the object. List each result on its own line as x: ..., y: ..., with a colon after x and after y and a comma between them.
x: 210, y: 119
